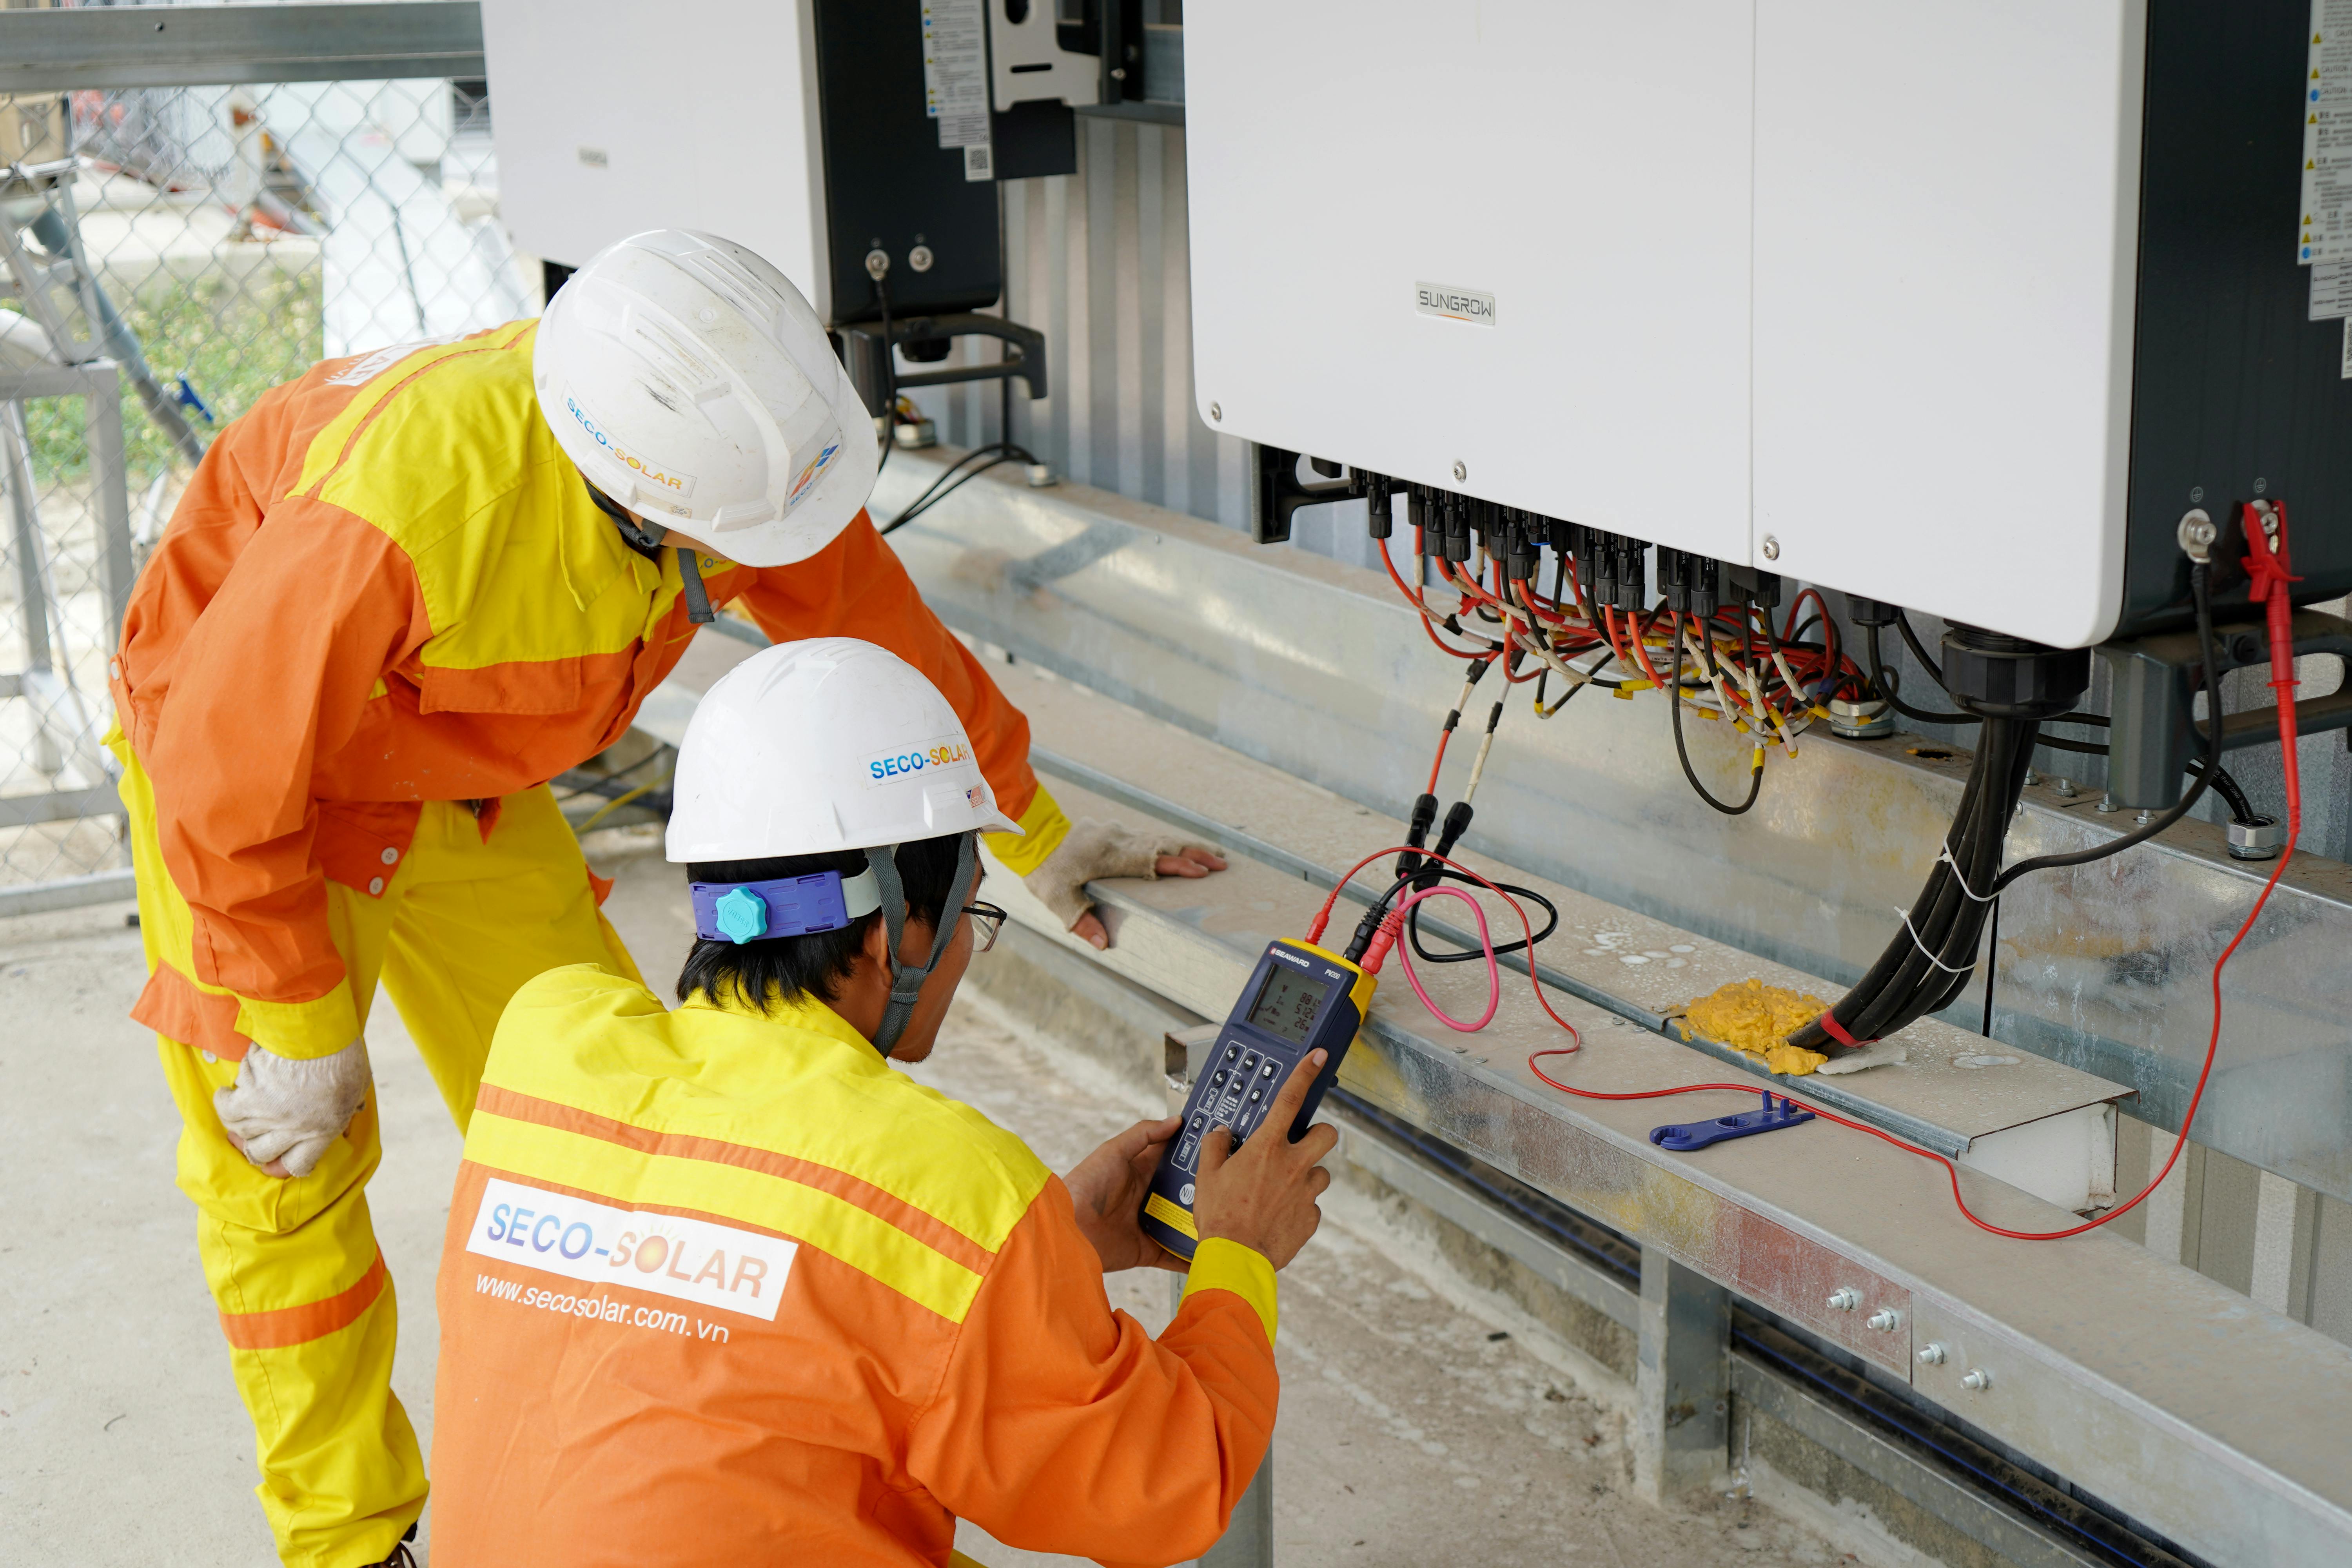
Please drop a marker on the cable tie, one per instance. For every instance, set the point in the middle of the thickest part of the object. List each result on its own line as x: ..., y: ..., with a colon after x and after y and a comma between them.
x: 1979, y: 897
x: 1929, y: 956
x: 1837, y: 1031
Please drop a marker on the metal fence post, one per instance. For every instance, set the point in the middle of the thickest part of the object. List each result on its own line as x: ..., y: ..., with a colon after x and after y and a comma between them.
x: 1682, y: 1383
x: 16, y: 456
x: 103, y: 407
x: 1248, y: 1541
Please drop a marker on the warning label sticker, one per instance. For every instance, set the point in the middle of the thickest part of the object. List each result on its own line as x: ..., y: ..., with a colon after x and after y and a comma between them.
x: 955, y: 79
x: 2325, y: 231
x: 2331, y: 290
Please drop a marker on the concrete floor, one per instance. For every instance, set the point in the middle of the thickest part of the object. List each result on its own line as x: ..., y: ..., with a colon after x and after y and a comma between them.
x: 1420, y: 1422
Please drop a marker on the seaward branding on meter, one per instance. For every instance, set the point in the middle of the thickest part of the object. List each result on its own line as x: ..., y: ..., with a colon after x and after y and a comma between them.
x: 1298, y: 999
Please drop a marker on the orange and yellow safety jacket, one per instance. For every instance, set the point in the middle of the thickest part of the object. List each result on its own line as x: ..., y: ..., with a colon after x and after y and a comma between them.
x: 386, y: 584
x: 720, y: 1287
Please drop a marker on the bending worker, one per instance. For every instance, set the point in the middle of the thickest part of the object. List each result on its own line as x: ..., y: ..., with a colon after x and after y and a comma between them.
x: 399, y: 596
x: 721, y: 1285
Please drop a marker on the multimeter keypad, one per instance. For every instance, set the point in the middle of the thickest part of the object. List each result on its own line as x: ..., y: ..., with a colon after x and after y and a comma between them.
x: 1235, y: 1094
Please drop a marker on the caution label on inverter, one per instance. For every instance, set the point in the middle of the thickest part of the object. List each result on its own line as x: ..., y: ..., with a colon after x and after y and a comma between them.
x: 955, y: 80
x: 2324, y: 230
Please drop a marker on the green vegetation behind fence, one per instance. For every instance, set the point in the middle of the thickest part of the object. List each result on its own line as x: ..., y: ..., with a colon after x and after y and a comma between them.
x: 234, y: 338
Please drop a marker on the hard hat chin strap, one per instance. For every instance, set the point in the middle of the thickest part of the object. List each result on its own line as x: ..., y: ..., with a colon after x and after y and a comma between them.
x: 647, y: 540
x: 906, y: 979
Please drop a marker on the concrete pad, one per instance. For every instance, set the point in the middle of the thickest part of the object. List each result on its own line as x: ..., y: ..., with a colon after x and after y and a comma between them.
x: 1409, y: 1433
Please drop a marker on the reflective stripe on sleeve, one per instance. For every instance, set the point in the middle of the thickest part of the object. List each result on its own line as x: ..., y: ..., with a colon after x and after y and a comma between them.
x: 1221, y: 1264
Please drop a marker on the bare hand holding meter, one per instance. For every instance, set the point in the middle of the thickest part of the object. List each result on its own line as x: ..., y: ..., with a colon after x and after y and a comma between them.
x: 1277, y: 1053
x: 1262, y: 1195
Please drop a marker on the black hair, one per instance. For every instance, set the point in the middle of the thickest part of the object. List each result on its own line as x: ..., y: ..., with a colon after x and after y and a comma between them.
x: 786, y: 967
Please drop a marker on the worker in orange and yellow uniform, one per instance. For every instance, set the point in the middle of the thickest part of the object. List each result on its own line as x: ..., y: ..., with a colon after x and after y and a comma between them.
x: 400, y: 596
x: 723, y: 1285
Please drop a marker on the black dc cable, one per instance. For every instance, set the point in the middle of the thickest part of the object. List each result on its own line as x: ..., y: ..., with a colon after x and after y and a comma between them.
x: 1682, y: 753
x: 889, y: 380
x: 2209, y: 771
x: 1932, y: 962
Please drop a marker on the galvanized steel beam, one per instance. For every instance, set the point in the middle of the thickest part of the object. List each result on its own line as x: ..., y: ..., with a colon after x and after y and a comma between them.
x: 217, y: 46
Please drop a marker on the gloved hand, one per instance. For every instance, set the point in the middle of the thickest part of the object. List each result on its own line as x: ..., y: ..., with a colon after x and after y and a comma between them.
x: 1095, y: 849
x: 283, y: 1111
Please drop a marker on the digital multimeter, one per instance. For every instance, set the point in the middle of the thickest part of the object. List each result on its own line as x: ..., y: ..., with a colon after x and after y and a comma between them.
x: 1298, y: 999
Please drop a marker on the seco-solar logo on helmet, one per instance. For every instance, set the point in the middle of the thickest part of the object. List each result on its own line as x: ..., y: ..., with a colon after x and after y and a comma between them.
x: 682, y: 483
x: 941, y: 753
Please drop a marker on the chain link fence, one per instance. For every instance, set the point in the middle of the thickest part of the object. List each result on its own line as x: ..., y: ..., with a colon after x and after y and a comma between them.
x: 212, y: 243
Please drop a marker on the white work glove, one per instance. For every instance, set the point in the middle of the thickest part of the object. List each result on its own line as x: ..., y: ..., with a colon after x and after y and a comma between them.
x: 1094, y: 849
x: 289, y: 1110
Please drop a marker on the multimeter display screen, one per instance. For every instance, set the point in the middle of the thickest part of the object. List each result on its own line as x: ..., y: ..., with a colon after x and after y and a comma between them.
x: 1286, y: 1004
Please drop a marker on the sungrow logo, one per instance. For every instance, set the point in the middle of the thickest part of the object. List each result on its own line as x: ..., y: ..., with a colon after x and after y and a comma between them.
x: 1448, y: 303
x: 682, y: 483
x: 692, y: 1259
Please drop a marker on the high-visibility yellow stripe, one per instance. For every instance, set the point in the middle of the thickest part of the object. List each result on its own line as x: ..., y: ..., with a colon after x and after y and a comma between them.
x: 450, y: 477
x: 326, y: 446
x: 1043, y: 827
x: 1223, y: 1265
x: 582, y: 1038
x: 870, y: 1245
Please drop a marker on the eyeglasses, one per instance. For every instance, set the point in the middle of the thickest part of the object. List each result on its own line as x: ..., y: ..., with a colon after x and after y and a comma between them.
x: 987, y: 919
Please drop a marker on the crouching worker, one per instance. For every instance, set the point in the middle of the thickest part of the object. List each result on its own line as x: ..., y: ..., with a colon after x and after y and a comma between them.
x: 722, y: 1285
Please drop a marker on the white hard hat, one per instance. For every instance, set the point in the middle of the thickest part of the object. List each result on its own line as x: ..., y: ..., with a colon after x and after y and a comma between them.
x: 828, y: 744
x: 693, y: 384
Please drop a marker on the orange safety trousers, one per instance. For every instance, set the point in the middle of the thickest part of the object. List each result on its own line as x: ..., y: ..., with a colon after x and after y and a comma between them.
x: 306, y: 1304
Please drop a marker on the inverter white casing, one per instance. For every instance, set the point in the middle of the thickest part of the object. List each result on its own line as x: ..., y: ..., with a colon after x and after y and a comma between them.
x: 1852, y: 279
x: 612, y: 116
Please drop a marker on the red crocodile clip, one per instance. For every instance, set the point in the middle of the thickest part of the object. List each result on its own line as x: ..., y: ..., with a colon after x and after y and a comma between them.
x: 2268, y: 564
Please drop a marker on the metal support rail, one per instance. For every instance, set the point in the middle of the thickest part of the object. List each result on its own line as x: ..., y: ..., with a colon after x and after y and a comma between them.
x: 219, y: 46
x: 1829, y: 1091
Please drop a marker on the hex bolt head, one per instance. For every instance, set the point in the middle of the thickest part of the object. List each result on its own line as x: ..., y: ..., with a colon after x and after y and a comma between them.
x: 2261, y: 838
x: 1461, y: 471
x: 1931, y: 1354
x: 1887, y: 1320
x: 1771, y: 548
x: 1844, y: 1299
x: 1976, y: 1379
